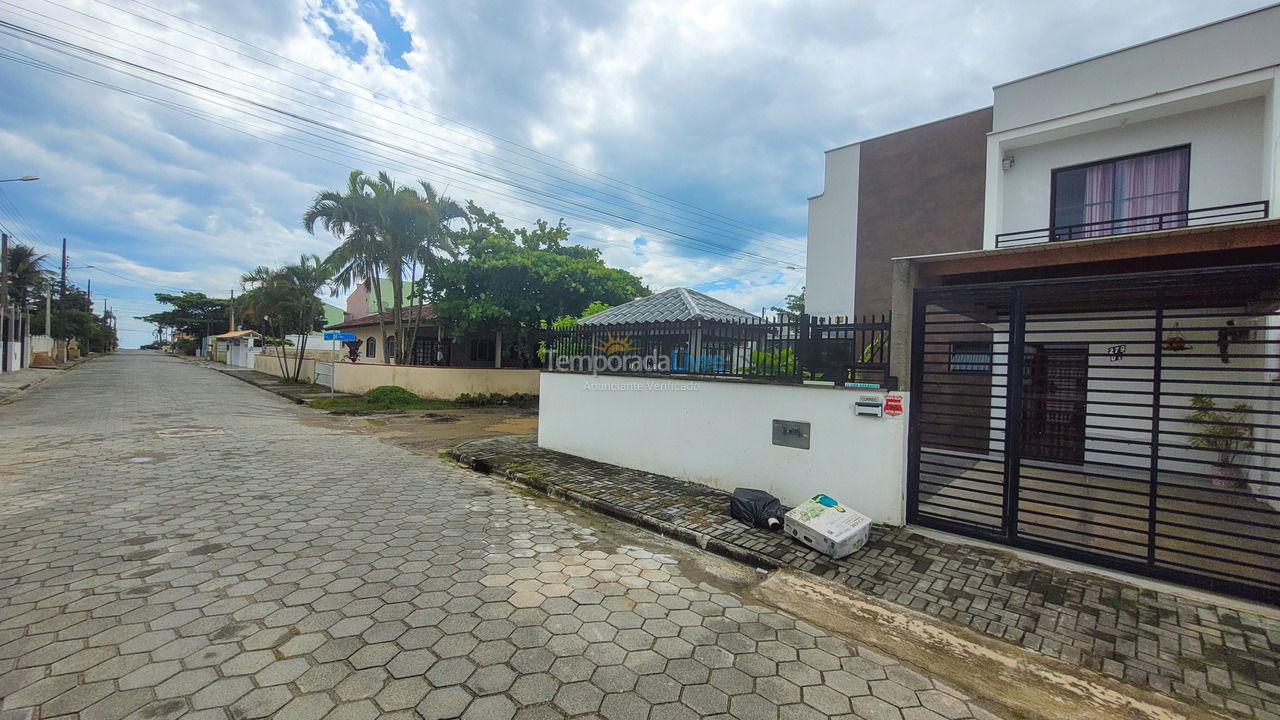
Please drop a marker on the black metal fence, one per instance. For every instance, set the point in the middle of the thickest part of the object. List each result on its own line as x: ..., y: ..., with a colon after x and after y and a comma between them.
x: 791, y: 349
x: 1131, y: 421
x: 1239, y: 212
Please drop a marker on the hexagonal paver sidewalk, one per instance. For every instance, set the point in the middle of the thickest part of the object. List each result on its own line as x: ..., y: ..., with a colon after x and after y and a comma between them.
x: 1184, y: 645
x: 174, y: 543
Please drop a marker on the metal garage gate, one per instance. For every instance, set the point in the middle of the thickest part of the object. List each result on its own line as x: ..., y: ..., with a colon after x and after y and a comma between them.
x: 1131, y: 421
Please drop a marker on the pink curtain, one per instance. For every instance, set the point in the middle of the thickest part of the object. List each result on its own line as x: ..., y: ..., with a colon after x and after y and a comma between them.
x: 1099, y: 198
x: 1152, y: 185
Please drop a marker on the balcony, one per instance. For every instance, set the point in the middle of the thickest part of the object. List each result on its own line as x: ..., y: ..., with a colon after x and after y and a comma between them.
x: 1217, y: 215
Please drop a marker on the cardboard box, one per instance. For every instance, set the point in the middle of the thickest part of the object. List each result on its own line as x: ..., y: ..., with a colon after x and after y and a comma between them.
x: 827, y: 526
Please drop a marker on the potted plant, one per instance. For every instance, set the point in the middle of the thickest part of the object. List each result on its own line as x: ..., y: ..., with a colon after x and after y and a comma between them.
x: 1224, y: 432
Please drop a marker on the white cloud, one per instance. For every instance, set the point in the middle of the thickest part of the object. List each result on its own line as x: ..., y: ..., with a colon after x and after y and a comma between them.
x: 723, y: 104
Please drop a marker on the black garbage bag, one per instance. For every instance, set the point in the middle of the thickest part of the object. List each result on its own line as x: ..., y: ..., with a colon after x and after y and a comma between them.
x: 756, y: 508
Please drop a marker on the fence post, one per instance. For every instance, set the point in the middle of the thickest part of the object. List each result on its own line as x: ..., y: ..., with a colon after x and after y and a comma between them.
x: 804, y: 345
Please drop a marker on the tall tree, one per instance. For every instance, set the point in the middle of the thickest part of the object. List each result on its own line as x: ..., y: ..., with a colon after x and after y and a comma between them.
x: 193, y: 314
x: 518, y: 281
x: 351, y: 217
x: 28, y: 275
x: 285, y: 299
x: 386, y: 227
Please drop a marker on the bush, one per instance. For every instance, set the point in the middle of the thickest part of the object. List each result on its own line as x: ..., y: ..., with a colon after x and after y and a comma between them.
x: 390, y: 395
x: 519, y: 400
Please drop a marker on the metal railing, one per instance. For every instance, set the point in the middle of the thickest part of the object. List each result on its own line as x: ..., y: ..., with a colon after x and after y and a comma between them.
x: 1239, y: 212
x: 792, y: 349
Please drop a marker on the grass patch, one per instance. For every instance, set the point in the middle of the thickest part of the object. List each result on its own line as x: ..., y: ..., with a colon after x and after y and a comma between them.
x: 356, y: 405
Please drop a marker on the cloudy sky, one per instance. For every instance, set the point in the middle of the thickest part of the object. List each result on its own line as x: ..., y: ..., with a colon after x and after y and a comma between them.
x: 178, y: 142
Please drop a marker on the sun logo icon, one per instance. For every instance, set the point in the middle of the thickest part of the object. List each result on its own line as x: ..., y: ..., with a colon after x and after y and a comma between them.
x: 614, y: 345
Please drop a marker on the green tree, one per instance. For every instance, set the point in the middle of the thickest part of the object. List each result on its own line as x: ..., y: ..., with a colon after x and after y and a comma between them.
x: 28, y: 276
x: 194, y: 314
x: 284, y: 300
x: 792, y: 305
x: 518, y: 281
x: 71, y: 321
x: 386, y: 228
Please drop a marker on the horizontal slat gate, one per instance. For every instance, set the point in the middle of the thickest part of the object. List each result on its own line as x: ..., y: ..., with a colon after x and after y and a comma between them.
x: 1130, y: 421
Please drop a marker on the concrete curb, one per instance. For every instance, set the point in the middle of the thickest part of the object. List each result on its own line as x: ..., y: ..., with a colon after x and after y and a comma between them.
x: 704, y: 541
x: 245, y: 377
x: 49, y: 374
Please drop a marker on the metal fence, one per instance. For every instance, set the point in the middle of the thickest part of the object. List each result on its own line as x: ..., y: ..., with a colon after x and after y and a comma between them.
x: 790, y: 349
x: 1239, y: 212
x: 1131, y: 421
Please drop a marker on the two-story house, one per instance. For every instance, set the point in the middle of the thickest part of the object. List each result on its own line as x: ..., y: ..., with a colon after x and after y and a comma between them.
x: 1094, y: 368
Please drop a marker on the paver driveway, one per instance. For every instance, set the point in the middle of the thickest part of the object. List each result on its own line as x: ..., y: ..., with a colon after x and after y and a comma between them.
x: 176, y: 543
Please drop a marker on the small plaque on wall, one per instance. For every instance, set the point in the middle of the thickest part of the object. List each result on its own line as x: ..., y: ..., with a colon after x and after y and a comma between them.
x: 791, y: 433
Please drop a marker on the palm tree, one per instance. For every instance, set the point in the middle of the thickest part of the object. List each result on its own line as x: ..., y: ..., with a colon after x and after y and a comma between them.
x: 27, y: 273
x: 386, y: 227
x: 285, y: 298
x: 351, y: 217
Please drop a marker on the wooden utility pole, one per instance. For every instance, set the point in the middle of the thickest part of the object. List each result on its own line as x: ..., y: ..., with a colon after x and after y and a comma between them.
x: 6, y: 322
x: 62, y: 291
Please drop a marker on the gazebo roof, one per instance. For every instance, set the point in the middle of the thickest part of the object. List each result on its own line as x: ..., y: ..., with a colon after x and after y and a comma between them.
x: 669, y: 306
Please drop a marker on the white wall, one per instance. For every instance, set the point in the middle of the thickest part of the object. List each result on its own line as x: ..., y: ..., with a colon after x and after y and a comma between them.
x: 1227, y: 150
x: 833, y: 236
x: 720, y: 433
x: 1203, y: 55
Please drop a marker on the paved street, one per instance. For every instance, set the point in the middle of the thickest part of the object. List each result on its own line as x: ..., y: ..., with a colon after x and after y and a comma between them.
x: 175, y: 543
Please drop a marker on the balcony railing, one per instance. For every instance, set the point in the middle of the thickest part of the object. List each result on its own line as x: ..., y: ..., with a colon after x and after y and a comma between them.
x: 1239, y: 212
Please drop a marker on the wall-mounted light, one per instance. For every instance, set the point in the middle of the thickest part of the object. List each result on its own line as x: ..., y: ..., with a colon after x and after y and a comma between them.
x: 1006, y: 163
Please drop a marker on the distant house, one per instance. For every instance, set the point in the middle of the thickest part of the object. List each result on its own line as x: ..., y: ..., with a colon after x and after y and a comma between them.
x: 432, y: 346
x: 363, y: 301
x: 237, y: 348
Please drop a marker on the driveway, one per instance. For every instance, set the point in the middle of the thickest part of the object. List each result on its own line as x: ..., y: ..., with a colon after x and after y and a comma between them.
x: 175, y: 543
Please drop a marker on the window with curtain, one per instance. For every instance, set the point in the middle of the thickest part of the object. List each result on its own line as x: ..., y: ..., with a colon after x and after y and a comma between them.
x: 1130, y: 194
x: 371, y: 348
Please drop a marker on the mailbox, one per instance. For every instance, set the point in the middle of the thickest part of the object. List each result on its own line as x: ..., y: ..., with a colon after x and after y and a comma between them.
x: 869, y: 405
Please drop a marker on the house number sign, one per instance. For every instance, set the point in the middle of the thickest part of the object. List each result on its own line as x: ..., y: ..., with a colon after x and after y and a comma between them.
x: 1117, y: 352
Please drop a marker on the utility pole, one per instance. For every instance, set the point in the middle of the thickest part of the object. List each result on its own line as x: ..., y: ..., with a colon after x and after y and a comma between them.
x: 48, y: 315
x: 231, y: 319
x: 62, y: 292
x: 6, y: 322
x: 88, y: 293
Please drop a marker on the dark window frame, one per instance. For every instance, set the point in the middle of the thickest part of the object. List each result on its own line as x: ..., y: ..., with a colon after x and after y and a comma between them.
x: 1055, y: 172
x: 477, y: 355
x: 973, y: 367
x: 371, y: 347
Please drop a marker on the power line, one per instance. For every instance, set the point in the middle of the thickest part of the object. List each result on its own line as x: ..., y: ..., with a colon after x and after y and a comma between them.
x: 203, y: 116
x: 188, y: 87
x: 537, y: 155
x: 608, y: 198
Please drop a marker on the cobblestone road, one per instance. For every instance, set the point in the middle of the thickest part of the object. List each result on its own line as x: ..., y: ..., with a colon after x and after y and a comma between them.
x: 175, y: 543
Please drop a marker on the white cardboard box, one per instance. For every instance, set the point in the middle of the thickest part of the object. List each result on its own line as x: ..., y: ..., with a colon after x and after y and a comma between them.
x: 827, y: 526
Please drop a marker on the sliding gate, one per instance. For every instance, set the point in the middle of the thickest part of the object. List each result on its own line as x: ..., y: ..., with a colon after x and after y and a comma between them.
x: 1131, y: 421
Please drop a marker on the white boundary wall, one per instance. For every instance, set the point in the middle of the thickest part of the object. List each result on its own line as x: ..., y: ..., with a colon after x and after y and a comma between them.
x: 720, y: 433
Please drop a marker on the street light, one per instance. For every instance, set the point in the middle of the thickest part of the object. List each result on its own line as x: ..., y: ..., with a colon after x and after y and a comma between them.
x: 24, y: 178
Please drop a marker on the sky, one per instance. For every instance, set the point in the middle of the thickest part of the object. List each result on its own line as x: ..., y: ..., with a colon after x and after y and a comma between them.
x: 179, y: 142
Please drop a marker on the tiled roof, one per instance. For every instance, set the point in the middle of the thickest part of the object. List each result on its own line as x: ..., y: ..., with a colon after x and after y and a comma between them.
x: 667, y: 306
x: 237, y: 334
x: 408, y: 313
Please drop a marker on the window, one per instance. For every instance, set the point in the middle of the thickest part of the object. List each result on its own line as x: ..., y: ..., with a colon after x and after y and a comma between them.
x: 970, y: 357
x: 391, y: 347
x: 1147, y: 190
x: 371, y: 348
x: 482, y: 350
